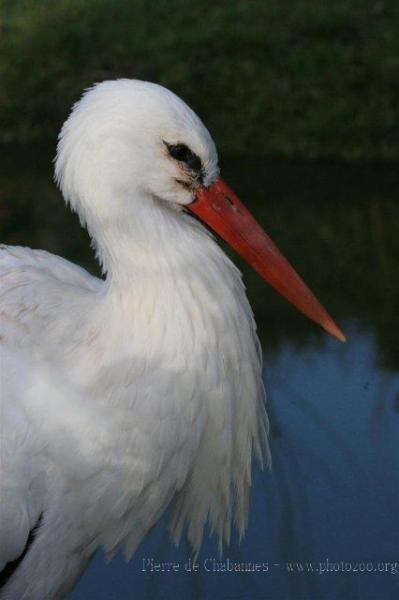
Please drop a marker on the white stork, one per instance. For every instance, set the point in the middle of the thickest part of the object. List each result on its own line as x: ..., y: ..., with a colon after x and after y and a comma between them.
x: 123, y: 393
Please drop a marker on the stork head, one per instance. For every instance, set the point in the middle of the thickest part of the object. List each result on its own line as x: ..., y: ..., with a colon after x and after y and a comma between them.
x: 127, y: 141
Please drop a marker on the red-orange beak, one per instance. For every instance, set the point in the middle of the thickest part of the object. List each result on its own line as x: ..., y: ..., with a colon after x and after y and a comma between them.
x: 222, y: 210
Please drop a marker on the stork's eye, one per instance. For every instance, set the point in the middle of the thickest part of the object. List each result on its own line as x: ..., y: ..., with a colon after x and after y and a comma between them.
x: 180, y: 152
x: 183, y: 154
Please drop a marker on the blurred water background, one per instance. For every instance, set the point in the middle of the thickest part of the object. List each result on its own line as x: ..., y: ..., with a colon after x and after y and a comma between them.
x: 303, y: 101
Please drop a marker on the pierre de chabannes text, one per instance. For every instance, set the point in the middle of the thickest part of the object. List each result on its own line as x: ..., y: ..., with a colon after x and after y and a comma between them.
x: 213, y: 565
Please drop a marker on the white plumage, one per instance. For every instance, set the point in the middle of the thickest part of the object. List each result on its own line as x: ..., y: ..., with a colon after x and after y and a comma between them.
x: 121, y: 394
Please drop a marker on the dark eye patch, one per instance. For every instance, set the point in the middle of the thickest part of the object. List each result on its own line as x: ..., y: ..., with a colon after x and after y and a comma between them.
x: 183, y: 154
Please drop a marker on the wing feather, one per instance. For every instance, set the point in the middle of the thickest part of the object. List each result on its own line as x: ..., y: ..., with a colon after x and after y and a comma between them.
x: 35, y: 289
x: 34, y: 286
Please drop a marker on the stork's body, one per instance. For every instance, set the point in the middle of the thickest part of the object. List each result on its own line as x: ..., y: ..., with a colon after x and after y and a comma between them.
x: 119, y: 394
x: 123, y: 391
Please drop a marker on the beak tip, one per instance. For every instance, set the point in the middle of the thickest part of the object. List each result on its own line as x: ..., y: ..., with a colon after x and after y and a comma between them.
x: 334, y: 330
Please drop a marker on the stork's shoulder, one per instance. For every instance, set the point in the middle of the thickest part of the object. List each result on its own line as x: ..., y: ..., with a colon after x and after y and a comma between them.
x: 24, y: 266
x: 35, y: 287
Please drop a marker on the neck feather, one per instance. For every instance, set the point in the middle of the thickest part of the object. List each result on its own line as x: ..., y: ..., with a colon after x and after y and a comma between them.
x: 153, y: 240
